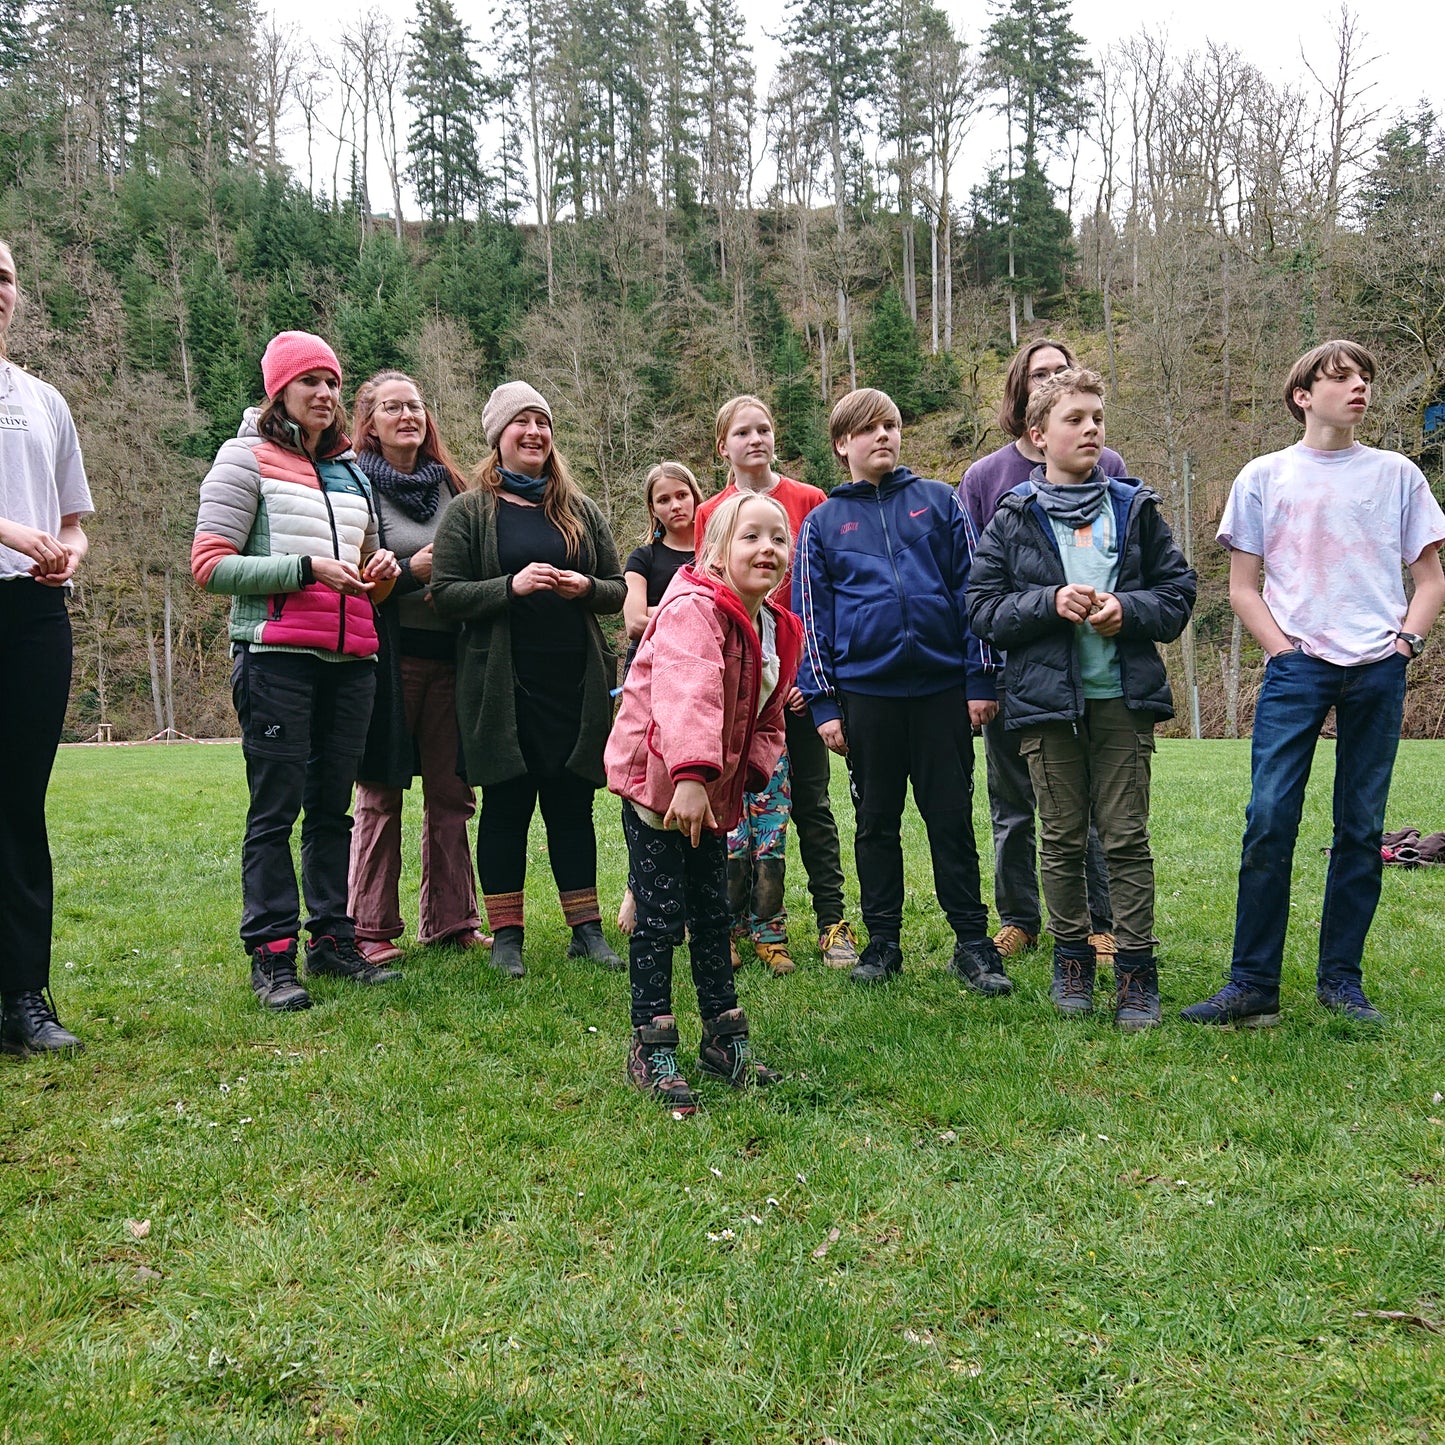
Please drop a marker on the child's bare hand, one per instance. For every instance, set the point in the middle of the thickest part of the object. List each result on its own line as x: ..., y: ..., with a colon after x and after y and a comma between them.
x: 832, y: 734
x: 1075, y: 602
x: 1108, y: 616
x: 690, y: 812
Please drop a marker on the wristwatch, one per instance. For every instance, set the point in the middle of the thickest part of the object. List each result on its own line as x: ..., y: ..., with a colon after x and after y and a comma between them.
x: 1413, y: 641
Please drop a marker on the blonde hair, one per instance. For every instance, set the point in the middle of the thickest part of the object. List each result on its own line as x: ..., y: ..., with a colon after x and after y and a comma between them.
x: 1042, y: 403
x: 858, y: 411
x: 713, y: 550
x: 671, y: 472
x: 727, y: 414
x: 561, y: 502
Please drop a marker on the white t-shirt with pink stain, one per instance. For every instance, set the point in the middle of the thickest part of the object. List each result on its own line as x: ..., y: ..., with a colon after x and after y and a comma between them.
x: 1335, y: 530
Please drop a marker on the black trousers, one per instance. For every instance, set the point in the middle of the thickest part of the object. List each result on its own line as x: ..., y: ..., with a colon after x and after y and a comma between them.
x: 927, y: 739
x: 810, y: 763
x: 303, y: 730
x: 677, y: 887
x: 506, y: 815
x: 35, y: 657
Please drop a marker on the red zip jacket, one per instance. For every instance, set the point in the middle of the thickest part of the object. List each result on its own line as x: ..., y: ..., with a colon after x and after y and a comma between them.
x: 690, y: 706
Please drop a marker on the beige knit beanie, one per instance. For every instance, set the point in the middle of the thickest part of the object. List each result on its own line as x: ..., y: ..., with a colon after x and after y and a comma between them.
x: 505, y: 402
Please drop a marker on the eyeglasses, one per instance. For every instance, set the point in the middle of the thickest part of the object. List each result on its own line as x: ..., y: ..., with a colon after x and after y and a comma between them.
x: 1043, y: 373
x: 395, y: 408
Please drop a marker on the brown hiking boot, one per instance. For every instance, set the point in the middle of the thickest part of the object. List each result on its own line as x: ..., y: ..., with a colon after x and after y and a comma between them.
x: 652, y: 1064
x: 1011, y: 940
x: 775, y: 958
x: 838, y: 945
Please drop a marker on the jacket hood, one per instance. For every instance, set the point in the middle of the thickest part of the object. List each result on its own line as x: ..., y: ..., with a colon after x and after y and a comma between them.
x: 898, y: 478
x: 249, y: 429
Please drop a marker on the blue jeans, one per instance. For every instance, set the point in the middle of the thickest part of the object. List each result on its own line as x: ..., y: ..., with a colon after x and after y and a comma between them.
x: 1294, y: 699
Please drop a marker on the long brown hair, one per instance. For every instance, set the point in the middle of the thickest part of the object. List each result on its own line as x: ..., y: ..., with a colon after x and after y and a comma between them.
x: 277, y: 424
x: 364, y: 438
x: 1016, y: 384
x: 670, y: 472
x: 561, y: 502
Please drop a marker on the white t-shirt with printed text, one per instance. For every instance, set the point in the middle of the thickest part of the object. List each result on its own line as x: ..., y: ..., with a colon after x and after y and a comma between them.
x: 1335, y: 530
x: 42, y: 475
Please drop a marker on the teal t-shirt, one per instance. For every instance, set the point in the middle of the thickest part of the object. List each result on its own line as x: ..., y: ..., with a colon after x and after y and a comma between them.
x: 1091, y: 558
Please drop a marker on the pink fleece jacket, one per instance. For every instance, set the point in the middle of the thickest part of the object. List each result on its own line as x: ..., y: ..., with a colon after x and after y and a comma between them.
x: 690, y: 706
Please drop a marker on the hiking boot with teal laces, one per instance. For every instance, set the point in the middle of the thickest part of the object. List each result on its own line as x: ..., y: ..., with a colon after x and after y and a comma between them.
x: 1236, y: 1005
x: 652, y: 1064
x: 726, y: 1054
x: 1346, y: 998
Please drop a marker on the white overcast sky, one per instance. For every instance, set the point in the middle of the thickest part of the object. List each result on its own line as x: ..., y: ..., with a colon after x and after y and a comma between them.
x: 1277, y: 37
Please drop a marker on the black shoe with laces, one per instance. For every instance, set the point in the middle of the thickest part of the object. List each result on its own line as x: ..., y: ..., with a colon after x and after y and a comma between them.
x: 879, y: 962
x: 1346, y: 998
x: 979, y: 966
x: 1136, y: 992
x: 328, y: 957
x: 1072, y: 989
x: 273, y: 978
x: 28, y: 1026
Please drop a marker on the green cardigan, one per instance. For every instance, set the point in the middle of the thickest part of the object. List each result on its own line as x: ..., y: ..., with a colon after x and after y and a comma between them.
x: 469, y: 586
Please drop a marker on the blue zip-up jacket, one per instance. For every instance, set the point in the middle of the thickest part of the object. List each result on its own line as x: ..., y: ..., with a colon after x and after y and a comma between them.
x: 879, y: 575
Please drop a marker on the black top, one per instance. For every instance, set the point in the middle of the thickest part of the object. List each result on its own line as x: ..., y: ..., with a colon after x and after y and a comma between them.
x: 659, y: 563
x: 549, y: 642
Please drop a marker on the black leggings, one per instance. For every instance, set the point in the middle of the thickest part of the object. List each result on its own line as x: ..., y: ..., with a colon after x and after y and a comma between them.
x: 35, y: 655
x: 506, y: 815
x: 677, y: 886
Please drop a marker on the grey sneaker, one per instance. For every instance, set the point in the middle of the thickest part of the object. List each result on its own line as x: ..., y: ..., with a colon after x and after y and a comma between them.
x: 980, y: 968
x: 1236, y: 1005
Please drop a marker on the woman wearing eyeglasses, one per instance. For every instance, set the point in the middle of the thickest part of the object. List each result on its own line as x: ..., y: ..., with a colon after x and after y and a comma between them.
x: 414, y: 722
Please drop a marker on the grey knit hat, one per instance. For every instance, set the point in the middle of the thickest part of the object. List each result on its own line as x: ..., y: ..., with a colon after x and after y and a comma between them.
x: 504, y: 404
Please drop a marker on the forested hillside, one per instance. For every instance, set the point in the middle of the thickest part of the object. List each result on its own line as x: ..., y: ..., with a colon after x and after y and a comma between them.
x: 598, y: 199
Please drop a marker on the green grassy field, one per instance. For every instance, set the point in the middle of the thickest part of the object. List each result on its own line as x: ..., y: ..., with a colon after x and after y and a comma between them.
x: 434, y: 1212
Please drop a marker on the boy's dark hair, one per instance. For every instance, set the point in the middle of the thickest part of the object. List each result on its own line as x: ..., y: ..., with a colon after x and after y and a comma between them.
x: 1329, y: 358
x: 1016, y: 384
x: 1049, y: 394
x: 860, y: 410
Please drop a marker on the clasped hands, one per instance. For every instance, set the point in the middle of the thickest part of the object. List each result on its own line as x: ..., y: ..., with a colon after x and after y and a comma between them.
x: 543, y: 577
x: 1078, y: 602
x: 352, y: 581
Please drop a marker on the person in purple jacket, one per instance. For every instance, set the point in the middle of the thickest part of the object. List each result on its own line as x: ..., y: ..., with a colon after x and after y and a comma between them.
x: 1010, y: 793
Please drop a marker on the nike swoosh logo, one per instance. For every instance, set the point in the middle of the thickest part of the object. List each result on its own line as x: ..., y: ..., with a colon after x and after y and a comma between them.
x: 919, y: 512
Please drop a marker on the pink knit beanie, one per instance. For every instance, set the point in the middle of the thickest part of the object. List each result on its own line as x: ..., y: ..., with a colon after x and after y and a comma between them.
x: 504, y: 404
x: 292, y: 354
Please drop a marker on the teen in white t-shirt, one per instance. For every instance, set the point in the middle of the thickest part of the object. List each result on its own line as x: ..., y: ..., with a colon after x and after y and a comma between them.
x: 43, y: 495
x: 1330, y: 524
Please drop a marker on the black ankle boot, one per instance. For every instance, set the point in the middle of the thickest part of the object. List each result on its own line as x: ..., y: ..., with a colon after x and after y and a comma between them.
x: 652, y: 1064
x: 331, y: 957
x: 28, y: 1026
x: 588, y: 941
x: 725, y: 1053
x: 507, y: 952
x: 1073, y: 985
x: 1136, y: 997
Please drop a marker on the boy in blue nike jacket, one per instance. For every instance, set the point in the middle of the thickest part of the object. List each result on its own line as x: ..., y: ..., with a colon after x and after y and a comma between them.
x: 895, y: 679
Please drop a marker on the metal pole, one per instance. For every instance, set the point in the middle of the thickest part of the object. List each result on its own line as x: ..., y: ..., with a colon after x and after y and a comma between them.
x: 1191, y: 667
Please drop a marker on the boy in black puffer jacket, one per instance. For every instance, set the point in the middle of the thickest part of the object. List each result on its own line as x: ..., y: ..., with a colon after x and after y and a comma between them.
x: 1077, y: 578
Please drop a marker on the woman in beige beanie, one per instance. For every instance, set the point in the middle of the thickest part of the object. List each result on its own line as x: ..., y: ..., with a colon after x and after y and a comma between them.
x: 526, y: 561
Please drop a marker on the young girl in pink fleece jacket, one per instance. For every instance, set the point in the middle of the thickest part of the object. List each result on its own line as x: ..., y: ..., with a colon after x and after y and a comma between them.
x: 681, y: 755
